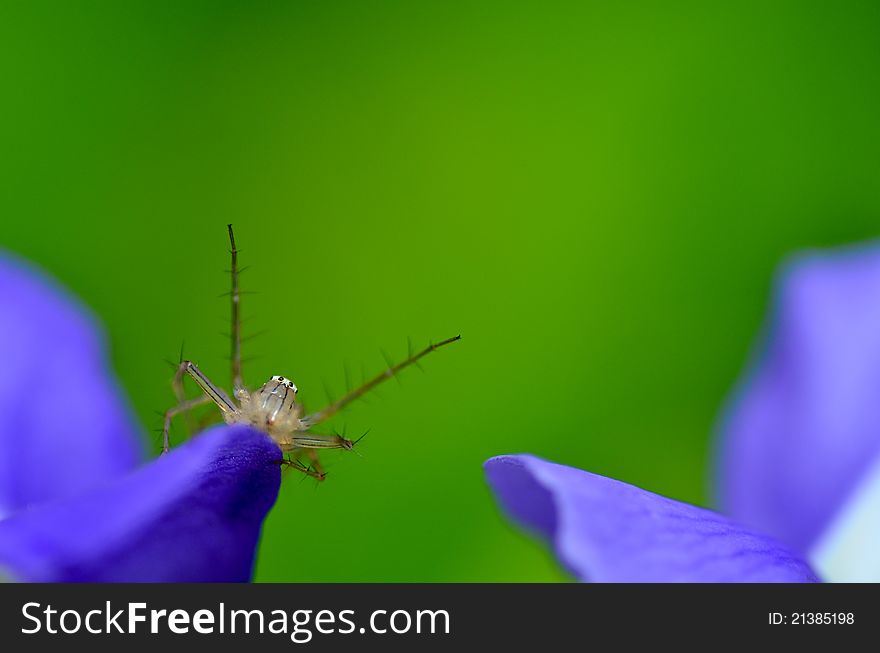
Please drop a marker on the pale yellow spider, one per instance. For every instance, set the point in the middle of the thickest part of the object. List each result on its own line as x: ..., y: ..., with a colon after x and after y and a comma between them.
x: 272, y: 408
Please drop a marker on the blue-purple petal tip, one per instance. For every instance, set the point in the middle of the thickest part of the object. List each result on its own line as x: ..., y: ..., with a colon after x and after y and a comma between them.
x: 608, y: 531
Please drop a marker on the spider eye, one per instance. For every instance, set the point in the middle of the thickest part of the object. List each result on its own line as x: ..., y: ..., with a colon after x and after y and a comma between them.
x: 285, y: 382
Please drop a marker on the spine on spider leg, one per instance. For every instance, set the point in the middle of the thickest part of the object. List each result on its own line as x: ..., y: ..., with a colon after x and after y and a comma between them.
x: 391, y: 371
x: 236, y: 316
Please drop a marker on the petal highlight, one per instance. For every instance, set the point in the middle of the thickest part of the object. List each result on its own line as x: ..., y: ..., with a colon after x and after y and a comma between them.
x: 847, y: 550
x: 607, y: 531
x: 193, y: 515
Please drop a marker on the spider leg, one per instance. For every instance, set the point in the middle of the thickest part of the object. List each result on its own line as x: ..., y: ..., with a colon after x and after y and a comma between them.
x: 235, y: 294
x: 217, y: 395
x: 311, y: 441
x: 180, y: 394
x: 212, y: 393
x: 183, y: 407
x: 316, y: 464
x: 392, y: 370
x: 293, y: 463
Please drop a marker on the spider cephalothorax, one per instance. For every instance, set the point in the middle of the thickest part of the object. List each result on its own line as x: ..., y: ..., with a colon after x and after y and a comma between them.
x: 272, y: 407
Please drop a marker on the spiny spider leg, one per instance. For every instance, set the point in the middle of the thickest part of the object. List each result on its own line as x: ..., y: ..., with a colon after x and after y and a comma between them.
x: 217, y: 395
x: 235, y: 354
x: 212, y: 393
x: 316, y: 441
x: 183, y: 407
x: 293, y: 463
x: 180, y: 394
x: 342, y: 402
x: 316, y: 464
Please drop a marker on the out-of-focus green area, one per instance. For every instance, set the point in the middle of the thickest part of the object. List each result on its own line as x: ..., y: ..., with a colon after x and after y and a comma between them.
x: 594, y: 196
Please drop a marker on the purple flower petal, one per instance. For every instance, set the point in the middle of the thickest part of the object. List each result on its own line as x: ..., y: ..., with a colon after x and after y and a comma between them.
x: 607, y: 531
x: 64, y: 425
x: 192, y: 515
x: 804, y: 428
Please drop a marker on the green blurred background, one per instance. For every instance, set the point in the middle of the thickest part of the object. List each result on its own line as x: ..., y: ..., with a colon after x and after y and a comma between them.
x: 595, y: 197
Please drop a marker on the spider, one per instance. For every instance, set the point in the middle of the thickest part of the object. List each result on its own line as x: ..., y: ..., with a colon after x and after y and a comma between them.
x: 272, y: 408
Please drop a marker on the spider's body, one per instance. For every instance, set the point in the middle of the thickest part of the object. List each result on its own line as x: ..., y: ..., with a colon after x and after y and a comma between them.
x: 272, y: 408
